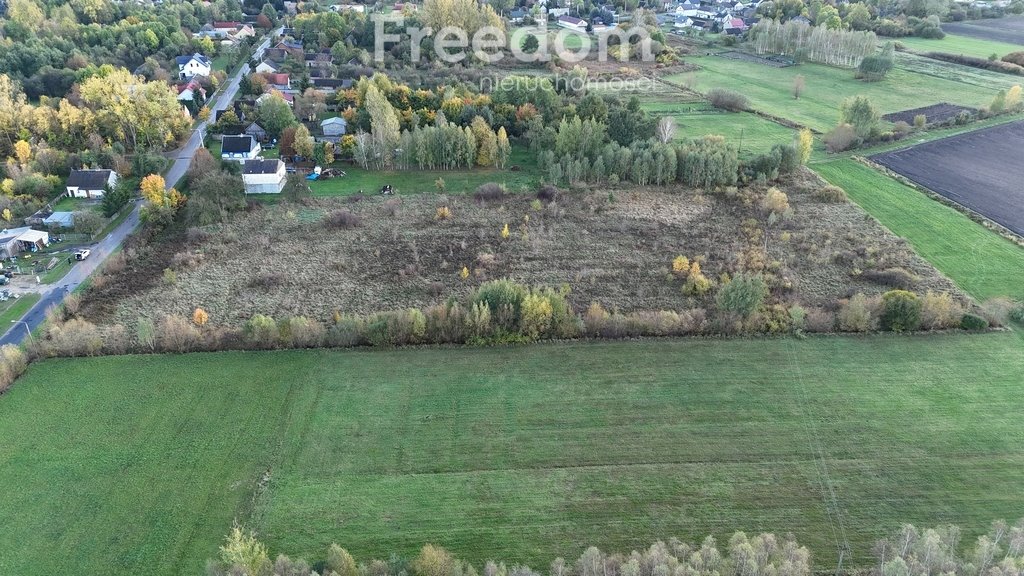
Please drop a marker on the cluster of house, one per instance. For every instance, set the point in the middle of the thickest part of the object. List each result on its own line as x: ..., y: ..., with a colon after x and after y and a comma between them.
x: 228, y: 33
x: 728, y: 16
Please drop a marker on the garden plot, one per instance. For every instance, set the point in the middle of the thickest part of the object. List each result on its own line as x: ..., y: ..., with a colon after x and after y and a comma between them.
x: 979, y: 170
x: 614, y: 247
x: 934, y: 114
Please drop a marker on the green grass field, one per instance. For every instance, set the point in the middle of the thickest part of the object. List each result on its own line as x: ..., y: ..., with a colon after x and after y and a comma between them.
x: 419, y: 181
x: 14, y: 309
x: 771, y: 89
x: 978, y: 260
x: 753, y: 133
x: 954, y: 44
x: 130, y: 464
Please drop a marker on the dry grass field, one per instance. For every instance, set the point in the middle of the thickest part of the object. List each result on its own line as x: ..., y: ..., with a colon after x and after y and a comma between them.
x: 612, y: 247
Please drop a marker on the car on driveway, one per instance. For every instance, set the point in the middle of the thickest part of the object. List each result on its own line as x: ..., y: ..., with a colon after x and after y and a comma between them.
x: 82, y: 254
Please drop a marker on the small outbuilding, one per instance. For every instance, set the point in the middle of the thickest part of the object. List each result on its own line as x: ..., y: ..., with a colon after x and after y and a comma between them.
x: 63, y: 220
x: 334, y: 128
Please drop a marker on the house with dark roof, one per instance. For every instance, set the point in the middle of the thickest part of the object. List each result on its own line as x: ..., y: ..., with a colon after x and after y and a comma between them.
x: 256, y: 131
x: 194, y: 65
x: 264, y: 176
x: 89, y: 183
x: 239, y: 148
x: 331, y: 84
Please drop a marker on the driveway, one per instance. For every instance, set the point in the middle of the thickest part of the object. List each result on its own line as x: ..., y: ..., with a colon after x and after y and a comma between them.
x: 80, y: 271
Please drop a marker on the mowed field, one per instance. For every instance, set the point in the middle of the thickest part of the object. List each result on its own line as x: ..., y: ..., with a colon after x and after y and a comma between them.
x: 124, y: 465
x: 521, y: 172
x: 752, y: 133
x: 958, y: 44
x: 980, y: 170
x: 915, y: 82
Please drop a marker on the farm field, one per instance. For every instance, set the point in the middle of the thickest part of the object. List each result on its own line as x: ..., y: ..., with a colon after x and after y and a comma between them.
x: 980, y: 170
x: 770, y: 89
x: 1009, y: 29
x: 530, y: 453
x: 981, y: 262
x: 958, y: 44
x: 370, y: 182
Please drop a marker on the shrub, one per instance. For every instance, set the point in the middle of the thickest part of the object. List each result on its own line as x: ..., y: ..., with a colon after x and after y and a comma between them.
x: 346, y: 332
x: 536, y: 316
x: 489, y: 192
x: 200, y: 317
x: 830, y: 193
x: 343, y: 220
x: 940, y: 311
x: 396, y: 328
x: 13, y: 363
x: 973, y: 322
x: 303, y: 332
x: 842, y: 137
x: 920, y: 121
x: 547, y: 193
x: 261, y: 331
x: 743, y: 295
x: 901, y: 311
x: 504, y: 300
x: 697, y: 284
x: 446, y: 323
x: 855, y: 315
x: 442, y: 213
x: 997, y: 310
x: 1017, y: 313
x: 176, y: 334
x: 730, y: 100
x: 819, y: 320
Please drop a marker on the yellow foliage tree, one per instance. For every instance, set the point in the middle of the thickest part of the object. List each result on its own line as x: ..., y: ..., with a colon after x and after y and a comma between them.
x: 200, y: 317
x: 464, y: 273
x: 505, y: 233
x: 805, y: 144
x: 204, y: 113
x: 7, y: 186
x: 8, y: 215
x: 1013, y: 97
x: 153, y: 188
x: 22, y: 152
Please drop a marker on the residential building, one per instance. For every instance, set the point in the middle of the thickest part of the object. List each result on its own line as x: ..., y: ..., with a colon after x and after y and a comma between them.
x: 90, y: 183
x: 194, y: 65
x: 239, y: 148
x: 573, y: 23
x: 333, y: 129
x: 264, y: 176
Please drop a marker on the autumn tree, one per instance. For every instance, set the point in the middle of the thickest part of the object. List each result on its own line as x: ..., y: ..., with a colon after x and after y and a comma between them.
x: 486, y: 142
x: 504, y: 148
x: 861, y: 114
x: 804, y: 145
x: 303, y: 142
x: 799, y: 83
x: 384, y: 127
x: 665, y: 129
x: 153, y: 188
x: 22, y: 152
x: 132, y: 111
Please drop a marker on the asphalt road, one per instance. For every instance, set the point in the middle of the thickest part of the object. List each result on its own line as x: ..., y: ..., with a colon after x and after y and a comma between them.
x: 102, y: 250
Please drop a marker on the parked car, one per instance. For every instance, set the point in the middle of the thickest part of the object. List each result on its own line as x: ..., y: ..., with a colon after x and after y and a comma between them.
x: 82, y: 254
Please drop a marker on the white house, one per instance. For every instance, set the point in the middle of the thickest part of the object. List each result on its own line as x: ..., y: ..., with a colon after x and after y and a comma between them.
x: 264, y: 176
x: 239, y: 148
x: 266, y: 68
x: 573, y: 23
x: 90, y: 183
x: 194, y: 65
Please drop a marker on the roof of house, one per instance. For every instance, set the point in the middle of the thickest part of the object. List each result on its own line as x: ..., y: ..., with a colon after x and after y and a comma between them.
x: 571, y: 20
x: 227, y: 24
x: 254, y: 127
x: 279, y: 78
x: 34, y: 236
x: 89, y: 179
x: 335, y: 120
x: 237, y: 144
x: 262, y: 166
x: 183, y: 60
x: 332, y: 82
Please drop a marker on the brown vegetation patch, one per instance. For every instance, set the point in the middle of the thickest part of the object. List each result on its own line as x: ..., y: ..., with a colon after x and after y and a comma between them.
x: 615, y: 247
